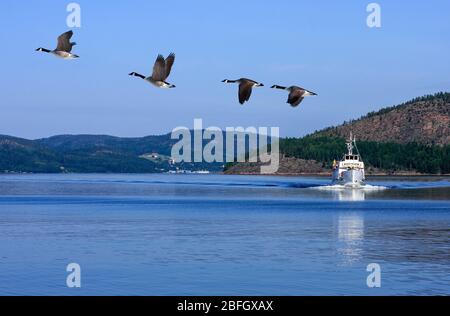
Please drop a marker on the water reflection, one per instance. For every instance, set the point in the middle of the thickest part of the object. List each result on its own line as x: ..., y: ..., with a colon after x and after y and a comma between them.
x: 350, y: 195
x: 350, y: 237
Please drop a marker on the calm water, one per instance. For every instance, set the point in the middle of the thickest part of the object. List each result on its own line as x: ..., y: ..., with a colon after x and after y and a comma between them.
x: 222, y: 235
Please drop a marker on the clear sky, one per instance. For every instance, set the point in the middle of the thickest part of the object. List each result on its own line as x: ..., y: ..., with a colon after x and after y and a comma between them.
x: 324, y: 46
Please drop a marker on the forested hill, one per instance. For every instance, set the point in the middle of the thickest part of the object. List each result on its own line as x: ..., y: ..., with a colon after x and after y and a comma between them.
x: 96, y: 154
x: 92, y: 154
x: 379, y: 157
x: 82, y: 153
x: 424, y: 120
x: 413, y: 137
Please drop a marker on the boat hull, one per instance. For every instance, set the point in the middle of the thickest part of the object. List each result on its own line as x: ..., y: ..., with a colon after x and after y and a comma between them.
x: 349, y: 178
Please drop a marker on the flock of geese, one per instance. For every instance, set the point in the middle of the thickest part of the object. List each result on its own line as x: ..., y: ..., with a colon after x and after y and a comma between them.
x: 163, y: 66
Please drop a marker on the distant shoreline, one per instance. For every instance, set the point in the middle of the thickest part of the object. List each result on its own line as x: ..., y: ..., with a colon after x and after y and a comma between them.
x: 328, y: 174
x: 322, y: 175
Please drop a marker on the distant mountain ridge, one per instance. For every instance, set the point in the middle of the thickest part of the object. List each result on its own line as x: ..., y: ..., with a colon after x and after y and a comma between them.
x: 82, y: 153
x: 95, y: 154
x: 136, y: 145
x: 424, y: 120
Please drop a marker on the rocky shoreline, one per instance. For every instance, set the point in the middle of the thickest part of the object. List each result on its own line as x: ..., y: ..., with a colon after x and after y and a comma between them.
x: 290, y: 166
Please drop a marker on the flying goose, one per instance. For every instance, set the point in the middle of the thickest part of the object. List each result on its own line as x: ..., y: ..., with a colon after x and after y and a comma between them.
x: 296, y: 94
x: 64, y: 47
x: 161, y: 71
x: 245, y: 88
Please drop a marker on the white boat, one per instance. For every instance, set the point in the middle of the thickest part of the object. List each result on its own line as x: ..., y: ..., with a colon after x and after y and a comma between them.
x: 349, y: 172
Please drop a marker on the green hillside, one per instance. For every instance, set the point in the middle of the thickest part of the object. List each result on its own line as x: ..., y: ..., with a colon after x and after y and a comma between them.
x: 93, y: 154
x: 391, y: 157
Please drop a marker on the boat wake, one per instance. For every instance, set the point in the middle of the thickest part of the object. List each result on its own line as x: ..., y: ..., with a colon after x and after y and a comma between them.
x: 216, y: 181
x: 365, y: 187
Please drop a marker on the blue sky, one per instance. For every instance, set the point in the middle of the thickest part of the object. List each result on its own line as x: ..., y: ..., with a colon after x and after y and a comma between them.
x: 324, y: 46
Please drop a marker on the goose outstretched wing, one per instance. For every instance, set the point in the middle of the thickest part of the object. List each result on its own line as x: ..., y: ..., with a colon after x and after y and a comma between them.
x: 64, y: 43
x: 295, y: 97
x: 159, y: 69
x: 169, y: 63
x: 245, y: 91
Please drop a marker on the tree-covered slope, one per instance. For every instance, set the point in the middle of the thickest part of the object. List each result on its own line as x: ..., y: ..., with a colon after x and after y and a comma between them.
x: 390, y: 156
x: 411, y: 137
x: 424, y: 120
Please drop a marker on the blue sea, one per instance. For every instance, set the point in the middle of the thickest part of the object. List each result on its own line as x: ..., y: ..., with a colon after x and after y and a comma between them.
x: 222, y: 235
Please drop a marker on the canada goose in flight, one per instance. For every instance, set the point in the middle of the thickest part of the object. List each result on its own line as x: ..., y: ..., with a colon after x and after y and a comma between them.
x: 296, y: 94
x: 64, y: 47
x: 245, y: 88
x: 161, y: 71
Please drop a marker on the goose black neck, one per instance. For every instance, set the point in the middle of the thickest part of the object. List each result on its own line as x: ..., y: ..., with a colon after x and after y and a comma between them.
x: 43, y: 50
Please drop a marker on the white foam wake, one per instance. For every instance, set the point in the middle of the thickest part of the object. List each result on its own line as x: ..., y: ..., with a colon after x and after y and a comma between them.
x: 365, y: 187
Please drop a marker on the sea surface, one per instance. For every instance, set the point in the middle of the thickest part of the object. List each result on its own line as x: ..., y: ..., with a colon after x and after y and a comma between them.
x: 222, y: 235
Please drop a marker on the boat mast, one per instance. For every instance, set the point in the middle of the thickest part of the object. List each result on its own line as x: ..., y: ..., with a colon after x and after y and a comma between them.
x: 350, y: 144
x: 357, y: 150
